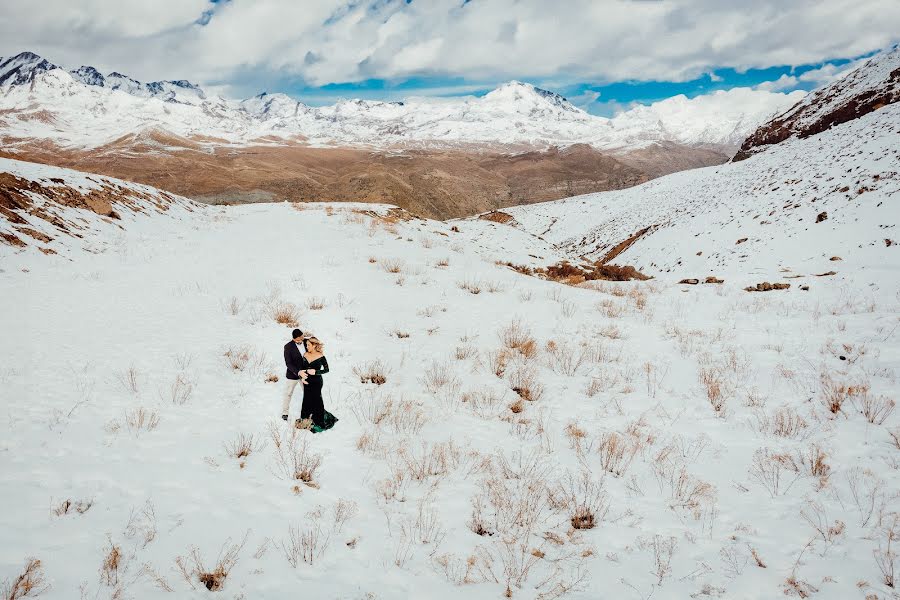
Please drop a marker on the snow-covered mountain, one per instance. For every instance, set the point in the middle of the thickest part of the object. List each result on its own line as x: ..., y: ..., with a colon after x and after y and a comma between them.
x: 84, y: 108
x: 871, y: 86
x: 783, y: 213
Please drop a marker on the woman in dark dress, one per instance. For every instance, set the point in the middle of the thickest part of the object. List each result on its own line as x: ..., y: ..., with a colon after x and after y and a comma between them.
x: 313, y: 407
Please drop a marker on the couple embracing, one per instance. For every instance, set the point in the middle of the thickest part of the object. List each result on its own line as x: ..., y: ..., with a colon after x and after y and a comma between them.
x: 306, y: 363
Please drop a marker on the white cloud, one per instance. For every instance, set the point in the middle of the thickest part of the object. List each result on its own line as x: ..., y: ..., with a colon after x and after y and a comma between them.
x: 327, y: 41
x: 785, y: 82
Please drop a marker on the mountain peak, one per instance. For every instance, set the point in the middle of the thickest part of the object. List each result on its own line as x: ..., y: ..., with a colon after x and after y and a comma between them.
x: 528, y: 98
x: 23, y: 68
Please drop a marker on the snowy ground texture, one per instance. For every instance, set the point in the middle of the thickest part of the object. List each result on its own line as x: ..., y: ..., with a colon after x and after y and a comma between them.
x: 522, y: 437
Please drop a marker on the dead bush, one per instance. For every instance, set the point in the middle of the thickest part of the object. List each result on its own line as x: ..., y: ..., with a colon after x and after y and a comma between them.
x: 885, y: 554
x: 233, y: 306
x: 393, y: 265
x: 517, y: 336
x: 713, y: 381
x: 465, y: 352
x: 567, y: 359
x: 787, y: 423
x: 401, y: 417
x: 129, y: 379
x: 471, y: 286
x: 584, y: 499
x: 285, y: 313
x: 434, y: 460
x: 29, y: 584
x: 293, y: 456
x: 315, y: 303
x: 483, y: 403
x: 813, y: 460
x: 438, y: 376
x: 777, y: 472
x: 374, y: 371
x: 307, y: 544
x: 69, y: 506
x: 112, y: 562
x: 141, y: 419
x: 616, y: 452
x: 181, y: 389
x: 193, y: 570
x: 498, y: 361
x: 523, y: 381
x: 242, y: 446
x: 876, y: 409
x: 237, y: 357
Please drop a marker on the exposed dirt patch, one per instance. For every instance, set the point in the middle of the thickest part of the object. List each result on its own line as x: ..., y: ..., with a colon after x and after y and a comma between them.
x: 441, y: 184
x: 623, y: 245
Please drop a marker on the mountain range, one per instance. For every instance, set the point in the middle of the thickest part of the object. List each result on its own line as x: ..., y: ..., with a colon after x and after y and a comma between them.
x: 437, y: 157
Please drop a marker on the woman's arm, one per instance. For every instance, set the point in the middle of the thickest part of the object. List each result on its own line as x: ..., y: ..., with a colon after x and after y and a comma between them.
x: 323, y: 367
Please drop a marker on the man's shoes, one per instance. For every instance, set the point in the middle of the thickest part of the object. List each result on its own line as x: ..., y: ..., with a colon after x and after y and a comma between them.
x: 284, y: 417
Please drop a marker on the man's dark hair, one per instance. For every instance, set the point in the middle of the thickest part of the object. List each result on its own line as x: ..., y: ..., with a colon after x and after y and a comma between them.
x: 296, y: 333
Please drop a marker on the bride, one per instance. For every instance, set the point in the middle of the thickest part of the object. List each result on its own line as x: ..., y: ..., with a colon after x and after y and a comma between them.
x: 315, y: 364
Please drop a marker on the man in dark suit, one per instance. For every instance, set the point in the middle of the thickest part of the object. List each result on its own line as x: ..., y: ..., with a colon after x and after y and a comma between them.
x: 293, y: 360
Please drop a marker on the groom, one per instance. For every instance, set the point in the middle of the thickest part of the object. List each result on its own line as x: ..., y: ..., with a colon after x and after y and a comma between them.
x: 293, y: 355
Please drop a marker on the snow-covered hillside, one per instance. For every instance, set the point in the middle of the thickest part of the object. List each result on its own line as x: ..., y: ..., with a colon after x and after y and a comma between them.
x: 869, y: 87
x: 53, y: 210
x: 782, y: 213
x: 529, y: 439
x: 83, y: 108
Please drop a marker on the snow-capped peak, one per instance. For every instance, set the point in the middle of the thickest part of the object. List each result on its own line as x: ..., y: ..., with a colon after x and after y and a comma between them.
x: 23, y: 68
x: 526, y: 98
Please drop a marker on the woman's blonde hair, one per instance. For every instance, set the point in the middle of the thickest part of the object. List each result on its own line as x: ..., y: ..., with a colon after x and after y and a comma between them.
x: 315, y: 344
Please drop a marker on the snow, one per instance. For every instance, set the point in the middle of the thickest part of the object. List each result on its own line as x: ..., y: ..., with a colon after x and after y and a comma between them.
x: 164, y: 298
x: 90, y: 111
x: 773, y: 199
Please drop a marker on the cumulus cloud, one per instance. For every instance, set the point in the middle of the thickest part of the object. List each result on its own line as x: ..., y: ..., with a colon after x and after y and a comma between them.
x: 785, y: 82
x: 327, y: 41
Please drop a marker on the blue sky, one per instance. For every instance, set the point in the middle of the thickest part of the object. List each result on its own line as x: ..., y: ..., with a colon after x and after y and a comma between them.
x: 597, y: 98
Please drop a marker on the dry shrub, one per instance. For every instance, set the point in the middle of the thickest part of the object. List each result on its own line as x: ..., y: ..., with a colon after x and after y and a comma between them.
x: 401, y: 417
x: 129, y: 379
x: 435, y: 460
x: 438, y: 376
x: 443, y: 262
x: 109, y: 570
x: 885, y: 554
x: 401, y: 334
x: 617, y: 451
x: 567, y: 359
x: 465, y: 352
x: 777, y: 472
x: 813, y: 460
x: 141, y: 419
x: 610, y: 331
x: 524, y: 381
x: 584, y: 499
x: 787, y: 423
x: 498, y: 361
x: 484, y: 403
x: 895, y: 436
x: 293, y: 456
x: 576, y: 434
x: 29, y: 584
x: 374, y: 371
x: 517, y: 407
x: 471, y: 286
x: 192, y: 566
x: 610, y: 308
x: 663, y: 549
x: 68, y: 506
x: 393, y: 265
x: 713, y: 380
x: 233, y: 306
x: 182, y: 387
x: 285, y: 313
x: 242, y: 446
x: 517, y: 336
x: 238, y: 357
x: 315, y: 303
x: 305, y: 545
x: 876, y: 409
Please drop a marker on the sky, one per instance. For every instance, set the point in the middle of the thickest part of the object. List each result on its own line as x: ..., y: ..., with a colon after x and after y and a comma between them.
x: 603, y: 55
